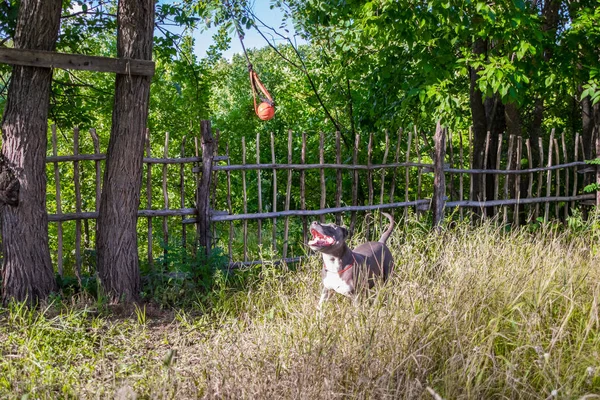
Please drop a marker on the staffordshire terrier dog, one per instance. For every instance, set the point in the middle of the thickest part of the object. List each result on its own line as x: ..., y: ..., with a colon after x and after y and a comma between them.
x: 346, y: 271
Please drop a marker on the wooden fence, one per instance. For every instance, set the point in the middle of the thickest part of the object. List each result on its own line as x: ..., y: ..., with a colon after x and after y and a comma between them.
x: 411, y: 173
x: 82, y: 237
x: 278, y: 195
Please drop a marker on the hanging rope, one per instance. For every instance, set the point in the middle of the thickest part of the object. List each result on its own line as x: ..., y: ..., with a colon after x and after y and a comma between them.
x: 265, y: 110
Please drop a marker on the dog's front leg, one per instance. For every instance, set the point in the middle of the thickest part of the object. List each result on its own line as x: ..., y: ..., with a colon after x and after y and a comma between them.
x: 325, y: 295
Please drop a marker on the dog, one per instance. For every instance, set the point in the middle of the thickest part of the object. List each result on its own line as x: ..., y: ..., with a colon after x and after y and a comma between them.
x: 344, y: 269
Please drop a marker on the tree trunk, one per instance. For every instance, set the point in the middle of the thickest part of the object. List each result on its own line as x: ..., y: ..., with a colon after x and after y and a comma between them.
x: 118, y: 263
x: 27, y: 272
x: 479, y: 123
x: 587, y: 130
x: 550, y: 14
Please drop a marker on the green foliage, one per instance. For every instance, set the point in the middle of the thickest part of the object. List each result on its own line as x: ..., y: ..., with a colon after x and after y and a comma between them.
x: 181, y: 276
x: 593, y: 162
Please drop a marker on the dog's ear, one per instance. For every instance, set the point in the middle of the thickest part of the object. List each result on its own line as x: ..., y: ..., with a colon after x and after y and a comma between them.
x: 344, y: 232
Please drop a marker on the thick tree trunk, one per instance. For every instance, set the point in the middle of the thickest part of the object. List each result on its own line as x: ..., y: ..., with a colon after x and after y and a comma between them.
x: 550, y: 14
x: 118, y: 263
x: 587, y: 120
x: 27, y: 272
x: 479, y: 123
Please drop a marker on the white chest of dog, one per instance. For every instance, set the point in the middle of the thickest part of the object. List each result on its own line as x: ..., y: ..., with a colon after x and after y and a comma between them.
x: 333, y: 279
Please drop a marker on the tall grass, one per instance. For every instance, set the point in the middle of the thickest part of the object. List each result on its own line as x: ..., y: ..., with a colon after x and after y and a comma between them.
x: 473, y: 313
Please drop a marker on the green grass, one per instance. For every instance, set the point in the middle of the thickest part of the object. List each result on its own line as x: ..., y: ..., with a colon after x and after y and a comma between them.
x: 471, y: 313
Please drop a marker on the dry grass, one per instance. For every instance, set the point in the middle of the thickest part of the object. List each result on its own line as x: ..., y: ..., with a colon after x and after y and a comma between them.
x: 471, y: 313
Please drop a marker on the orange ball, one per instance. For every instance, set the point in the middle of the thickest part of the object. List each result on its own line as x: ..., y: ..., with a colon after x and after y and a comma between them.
x: 265, y: 111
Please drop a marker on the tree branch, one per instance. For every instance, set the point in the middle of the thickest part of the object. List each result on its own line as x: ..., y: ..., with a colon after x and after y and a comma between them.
x: 302, y: 67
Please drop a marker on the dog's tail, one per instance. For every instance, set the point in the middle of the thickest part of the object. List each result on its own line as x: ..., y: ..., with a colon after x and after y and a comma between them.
x: 389, y: 230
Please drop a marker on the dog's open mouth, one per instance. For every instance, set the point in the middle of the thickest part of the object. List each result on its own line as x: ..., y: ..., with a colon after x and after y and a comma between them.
x: 320, y: 240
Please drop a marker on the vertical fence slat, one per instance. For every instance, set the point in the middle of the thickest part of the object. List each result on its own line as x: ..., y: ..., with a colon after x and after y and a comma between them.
x: 567, y: 180
x: 511, y: 141
x: 288, y: 195
x: 274, y: 207
x: 549, y: 177
x: 215, y: 184
x: 439, y: 182
x: 244, y: 199
x: 540, y: 177
x: 460, y: 176
x: 322, y: 173
x: 407, y: 172
x: 370, y: 171
x: 419, y: 169
x: 396, y: 159
x: 575, y: 177
x: 203, y: 192
x: 497, y: 176
x: 98, y: 167
x: 149, y: 195
x: 338, y: 176
x: 488, y: 138
x: 385, y: 156
x: 530, y: 178
x: 450, y: 176
x: 597, y: 168
x: 303, y: 190
x: 165, y: 194
x: 471, y: 176
x: 215, y: 179
x: 518, y: 180
x: 77, y: 184
x: 557, y: 154
x: 369, y: 183
x: 182, y: 192
x: 259, y: 184
x: 59, y: 256
x: 229, y: 206
x: 354, y: 182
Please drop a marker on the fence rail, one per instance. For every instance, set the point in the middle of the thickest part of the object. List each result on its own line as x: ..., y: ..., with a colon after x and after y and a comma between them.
x: 246, y: 207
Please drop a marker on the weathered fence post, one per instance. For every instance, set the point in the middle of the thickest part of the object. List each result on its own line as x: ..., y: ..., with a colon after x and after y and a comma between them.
x: 598, y: 169
x: 439, y: 181
x: 203, y: 193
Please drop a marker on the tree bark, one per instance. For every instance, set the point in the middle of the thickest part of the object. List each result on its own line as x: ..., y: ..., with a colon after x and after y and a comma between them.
x: 587, y: 130
x: 550, y: 14
x: 118, y: 263
x: 27, y: 273
x: 478, y: 115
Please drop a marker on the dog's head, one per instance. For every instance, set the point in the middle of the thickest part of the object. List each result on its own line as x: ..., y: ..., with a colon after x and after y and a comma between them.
x: 327, y: 238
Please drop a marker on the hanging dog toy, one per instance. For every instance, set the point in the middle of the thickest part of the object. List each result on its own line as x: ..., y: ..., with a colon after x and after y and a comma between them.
x: 266, y: 109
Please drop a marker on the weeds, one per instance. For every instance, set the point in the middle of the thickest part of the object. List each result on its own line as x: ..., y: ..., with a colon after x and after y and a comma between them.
x: 470, y: 313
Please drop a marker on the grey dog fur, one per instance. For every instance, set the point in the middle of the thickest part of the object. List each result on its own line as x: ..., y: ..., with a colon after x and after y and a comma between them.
x: 345, y: 270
